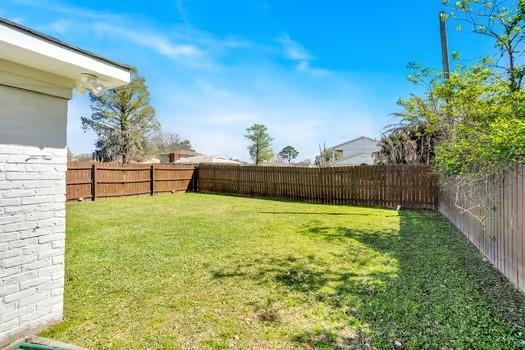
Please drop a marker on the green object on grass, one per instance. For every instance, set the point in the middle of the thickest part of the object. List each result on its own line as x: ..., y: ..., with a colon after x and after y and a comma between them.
x: 34, y: 346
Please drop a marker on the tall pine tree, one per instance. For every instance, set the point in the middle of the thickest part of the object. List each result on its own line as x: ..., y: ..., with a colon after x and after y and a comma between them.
x: 123, y: 120
x: 261, y: 143
x: 288, y: 153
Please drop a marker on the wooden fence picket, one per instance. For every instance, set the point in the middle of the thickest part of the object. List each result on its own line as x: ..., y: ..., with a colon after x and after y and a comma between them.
x: 380, y: 186
x: 89, y: 180
x: 501, y: 238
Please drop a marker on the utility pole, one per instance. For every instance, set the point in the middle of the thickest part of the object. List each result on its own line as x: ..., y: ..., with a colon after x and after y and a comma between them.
x: 444, y: 44
x: 444, y: 57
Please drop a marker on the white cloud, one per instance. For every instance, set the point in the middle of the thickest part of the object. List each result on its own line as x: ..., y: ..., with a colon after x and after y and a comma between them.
x: 305, y: 66
x: 293, y: 50
x: 60, y: 26
x: 57, y: 6
x: 182, y: 44
x: 296, y: 52
x: 151, y: 40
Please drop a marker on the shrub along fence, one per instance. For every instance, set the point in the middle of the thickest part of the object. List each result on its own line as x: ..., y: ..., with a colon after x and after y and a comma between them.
x: 90, y: 180
x: 411, y: 186
x: 501, y: 237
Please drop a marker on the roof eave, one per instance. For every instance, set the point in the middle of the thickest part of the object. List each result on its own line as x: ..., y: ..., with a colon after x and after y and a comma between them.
x: 354, y: 140
x: 27, y: 47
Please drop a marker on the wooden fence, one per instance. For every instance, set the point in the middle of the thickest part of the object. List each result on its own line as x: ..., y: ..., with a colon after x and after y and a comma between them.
x: 89, y: 180
x: 501, y: 237
x: 411, y: 186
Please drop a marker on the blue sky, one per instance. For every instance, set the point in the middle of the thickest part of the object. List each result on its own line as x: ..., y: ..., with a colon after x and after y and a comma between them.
x: 313, y: 71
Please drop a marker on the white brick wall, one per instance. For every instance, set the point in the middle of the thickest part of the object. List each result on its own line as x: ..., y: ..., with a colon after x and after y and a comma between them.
x: 32, y: 237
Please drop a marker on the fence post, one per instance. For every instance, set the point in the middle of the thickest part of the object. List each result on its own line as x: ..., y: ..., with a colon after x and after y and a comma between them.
x: 195, y: 179
x: 152, y: 177
x: 436, y: 191
x: 323, y: 186
x: 94, y: 182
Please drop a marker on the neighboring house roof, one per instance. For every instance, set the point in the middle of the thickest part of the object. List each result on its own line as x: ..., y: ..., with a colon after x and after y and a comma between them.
x: 206, y: 159
x: 151, y: 161
x: 354, y: 140
x: 30, y: 48
x: 305, y: 163
x: 182, y: 152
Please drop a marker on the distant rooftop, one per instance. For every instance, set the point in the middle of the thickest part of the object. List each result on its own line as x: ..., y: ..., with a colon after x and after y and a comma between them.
x: 354, y: 140
x: 183, y: 152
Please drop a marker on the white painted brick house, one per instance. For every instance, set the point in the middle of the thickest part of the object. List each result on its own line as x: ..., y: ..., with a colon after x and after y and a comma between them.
x: 37, y: 76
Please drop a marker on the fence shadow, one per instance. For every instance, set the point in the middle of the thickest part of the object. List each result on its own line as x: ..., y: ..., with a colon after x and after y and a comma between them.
x: 433, y: 285
x: 313, y: 213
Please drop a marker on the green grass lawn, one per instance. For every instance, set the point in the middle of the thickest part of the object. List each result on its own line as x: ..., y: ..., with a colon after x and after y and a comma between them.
x: 199, y: 271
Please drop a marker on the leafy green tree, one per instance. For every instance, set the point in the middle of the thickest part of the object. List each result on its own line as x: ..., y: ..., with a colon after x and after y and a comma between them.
x: 473, y: 121
x: 480, y: 122
x: 123, y: 120
x: 288, y: 153
x: 462, y: 123
x: 261, y: 143
x: 503, y: 22
x: 108, y: 147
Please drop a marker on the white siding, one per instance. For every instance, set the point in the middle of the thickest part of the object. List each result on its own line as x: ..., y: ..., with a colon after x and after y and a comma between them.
x: 32, y: 210
x: 32, y: 119
x: 357, y: 152
x: 359, y: 159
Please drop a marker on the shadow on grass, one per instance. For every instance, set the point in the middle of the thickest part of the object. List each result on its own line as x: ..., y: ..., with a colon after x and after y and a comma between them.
x: 312, y: 213
x: 422, y: 286
x: 285, y: 200
x: 222, y: 274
